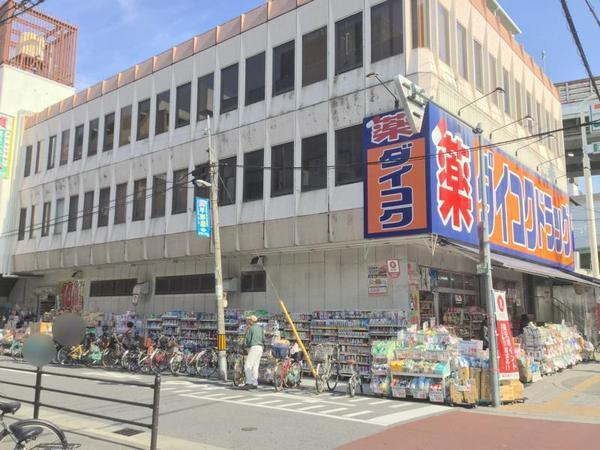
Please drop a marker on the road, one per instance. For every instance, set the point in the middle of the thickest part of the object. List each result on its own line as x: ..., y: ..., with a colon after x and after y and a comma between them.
x: 562, y: 412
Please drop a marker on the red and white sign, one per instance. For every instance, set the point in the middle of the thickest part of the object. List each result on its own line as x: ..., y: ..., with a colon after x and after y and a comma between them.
x: 508, y: 366
x: 393, y: 268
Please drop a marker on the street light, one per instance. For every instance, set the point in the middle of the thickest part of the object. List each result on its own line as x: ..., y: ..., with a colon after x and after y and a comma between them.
x: 527, y: 117
x: 376, y: 76
x: 498, y: 89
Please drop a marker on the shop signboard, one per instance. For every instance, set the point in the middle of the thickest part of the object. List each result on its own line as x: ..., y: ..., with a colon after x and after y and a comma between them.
x: 508, y: 366
x: 393, y: 268
x: 203, y: 217
x: 6, y: 142
x: 428, y: 183
x: 378, y: 282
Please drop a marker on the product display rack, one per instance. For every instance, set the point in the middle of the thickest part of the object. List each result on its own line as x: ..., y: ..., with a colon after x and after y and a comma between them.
x: 153, y: 326
x: 466, y: 323
x: 170, y: 324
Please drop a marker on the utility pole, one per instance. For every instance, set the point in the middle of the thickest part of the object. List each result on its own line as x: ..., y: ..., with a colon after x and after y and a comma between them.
x: 485, y: 269
x: 589, y: 200
x: 214, y: 199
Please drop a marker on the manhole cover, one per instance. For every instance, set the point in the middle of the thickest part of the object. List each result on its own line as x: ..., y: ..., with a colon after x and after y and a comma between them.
x: 128, y: 432
x: 249, y: 429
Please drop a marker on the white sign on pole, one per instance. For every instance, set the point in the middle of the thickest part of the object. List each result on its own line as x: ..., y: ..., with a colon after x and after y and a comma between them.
x: 595, y: 117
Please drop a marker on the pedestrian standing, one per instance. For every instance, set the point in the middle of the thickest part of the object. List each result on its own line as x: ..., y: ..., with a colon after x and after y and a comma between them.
x: 254, y: 343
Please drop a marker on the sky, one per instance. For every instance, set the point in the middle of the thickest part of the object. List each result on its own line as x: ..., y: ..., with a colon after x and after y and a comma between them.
x: 116, y: 34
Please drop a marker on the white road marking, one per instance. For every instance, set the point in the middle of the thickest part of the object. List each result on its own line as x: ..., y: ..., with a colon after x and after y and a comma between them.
x: 389, y: 419
x: 306, y: 408
x: 360, y: 413
x: 359, y: 399
x: 379, y: 402
x: 183, y: 391
x: 269, y: 402
x: 401, y: 405
x: 329, y: 411
x: 287, y: 405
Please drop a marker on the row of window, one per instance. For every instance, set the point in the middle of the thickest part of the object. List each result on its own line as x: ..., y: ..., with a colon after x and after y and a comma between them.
x: 523, y: 103
x: 386, y: 41
x: 204, y: 283
x: 348, y: 169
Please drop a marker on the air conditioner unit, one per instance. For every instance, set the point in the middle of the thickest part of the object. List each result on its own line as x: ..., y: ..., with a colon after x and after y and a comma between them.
x: 230, y: 284
x: 141, y: 288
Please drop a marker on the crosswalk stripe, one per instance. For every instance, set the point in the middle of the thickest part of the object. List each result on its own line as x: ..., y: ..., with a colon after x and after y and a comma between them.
x: 306, y: 408
x: 389, y: 419
x: 182, y: 391
x: 360, y: 413
x: 329, y: 411
x: 401, y: 405
x: 269, y: 402
x: 359, y: 399
x: 379, y: 402
x: 287, y: 405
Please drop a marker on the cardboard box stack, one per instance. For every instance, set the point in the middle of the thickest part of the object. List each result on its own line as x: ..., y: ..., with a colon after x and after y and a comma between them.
x: 464, y: 389
x: 510, y: 390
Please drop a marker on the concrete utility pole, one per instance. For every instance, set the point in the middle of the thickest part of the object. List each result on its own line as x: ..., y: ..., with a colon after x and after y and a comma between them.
x: 214, y: 199
x: 485, y: 269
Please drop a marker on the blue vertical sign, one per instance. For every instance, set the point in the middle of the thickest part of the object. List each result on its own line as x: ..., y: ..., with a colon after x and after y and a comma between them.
x: 203, y: 217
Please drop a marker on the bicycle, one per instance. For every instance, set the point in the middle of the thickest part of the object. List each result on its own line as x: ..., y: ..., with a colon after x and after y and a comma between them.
x: 206, y: 362
x: 16, y: 350
x: 32, y: 433
x: 328, y: 367
x: 287, y: 371
x: 355, y: 379
x: 235, y: 364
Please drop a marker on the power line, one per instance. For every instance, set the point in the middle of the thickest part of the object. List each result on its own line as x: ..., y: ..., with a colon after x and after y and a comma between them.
x: 593, y: 11
x: 24, y: 8
x: 575, y: 35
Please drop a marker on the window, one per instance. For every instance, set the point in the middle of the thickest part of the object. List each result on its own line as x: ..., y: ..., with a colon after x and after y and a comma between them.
x: 163, y: 101
x: 227, y: 181
x: 283, y: 68
x: 88, y: 210
x: 120, y: 203
x: 255, y: 78
x: 103, y: 207
x: 59, y: 216
x: 386, y: 30
x: 538, y: 117
x: 494, y: 78
x: 78, y: 148
x: 143, y: 123
x: 254, y: 281
x: 46, y: 219
x: 507, y: 95
x: 420, y: 25
x: 32, y: 222
x: 253, y: 175
x: 348, y: 155
x: 109, y: 132
x: 443, y: 35
x: 159, y: 192
x: 314, y: 163
x: 22, y: 223
x: 125, y: 128
x: 64, y: 147
x: 314, y: 56
x: 73, y: 205
x: 185, y: 284
x: 478, y: 65
x: 206, y: 92
x: 229, y: 88
x: 348, y: 44
x: 461, y: 48
x: 28, y: 151
x: 183, y: 105
x: 529, y: 110
x: 38, y: 153
x: 282, y: 169
x: 139, y: 199
x: 518, y: 101
x: 180, y: 190
x: 51, y: 152
x: 112, y: 288
x: 93, y: 137
x: 203, y: 174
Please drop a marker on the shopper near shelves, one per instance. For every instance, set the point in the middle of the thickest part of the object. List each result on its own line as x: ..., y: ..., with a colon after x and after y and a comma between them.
x: 484, y: 333
x: 130, y: 336
x: 254, y: 342
x: 523, y: 323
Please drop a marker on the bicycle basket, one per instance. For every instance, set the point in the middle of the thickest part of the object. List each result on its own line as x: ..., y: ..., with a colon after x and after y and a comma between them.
x: 321, y: 353
x: 280, y: 351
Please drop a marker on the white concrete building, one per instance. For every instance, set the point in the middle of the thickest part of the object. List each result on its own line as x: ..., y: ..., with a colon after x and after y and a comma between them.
x: 287, y: 87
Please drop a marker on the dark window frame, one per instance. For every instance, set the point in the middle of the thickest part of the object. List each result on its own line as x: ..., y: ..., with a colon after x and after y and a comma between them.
x: 143, y: 120
x: 183, y: 104
x: 179, y: 199
x: 205, y: 96
x: 162, y: 118
x: 59, y: 215
x: 28, y: 156
x: 125, y: 121
x: 46, y: 212
x: 202, y: 283
x: 230, y: 103
x: 383, y: 47
x: 103, y: 207
x: 78, y: 142
x: 93, y: 136
x: 462, y: 59
x: 348, y: 165
x: 32, y: 222
x: 72, y: 215
x: 282, y: 169
x: 314, y: 56
x: 65, y: 137
x: 284, y: 77
x: 227, y: 175
x: 202, y: 191
x: 120, y: 204
x: 22, y: 224
x: 255, y: 79
x: 254, y: 281
x: 254, y: 178
x: 38, y: 156
x: 51, y: 152
x: 159, y: 195
x: 314, y: 171
x: 139, y: 200
x: 88, y: 210
x: 122, y: 287
x: 108, y: 139
x: 348, y: 60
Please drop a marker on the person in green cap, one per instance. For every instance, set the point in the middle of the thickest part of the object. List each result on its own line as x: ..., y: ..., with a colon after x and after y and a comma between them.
x: 254, y: 343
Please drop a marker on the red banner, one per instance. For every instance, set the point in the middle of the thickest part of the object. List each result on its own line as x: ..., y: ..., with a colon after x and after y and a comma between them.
x: 508, y: 366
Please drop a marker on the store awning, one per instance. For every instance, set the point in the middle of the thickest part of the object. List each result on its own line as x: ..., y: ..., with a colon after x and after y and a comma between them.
x: 508, y: 262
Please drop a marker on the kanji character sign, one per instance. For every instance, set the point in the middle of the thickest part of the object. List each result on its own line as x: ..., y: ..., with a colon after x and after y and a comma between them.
x: 389, y: 127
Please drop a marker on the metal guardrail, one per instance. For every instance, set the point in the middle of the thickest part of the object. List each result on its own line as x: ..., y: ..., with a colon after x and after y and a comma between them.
x: 38, y: 388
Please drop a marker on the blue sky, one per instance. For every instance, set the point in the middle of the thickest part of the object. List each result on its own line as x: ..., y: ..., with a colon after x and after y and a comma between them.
x: 116, y: 34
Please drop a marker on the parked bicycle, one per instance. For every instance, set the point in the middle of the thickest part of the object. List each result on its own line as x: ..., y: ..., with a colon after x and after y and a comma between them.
x: 235, y: 365
x: 287, y: 371
x: 32, y: 433
x: 16, y: 349
x: 112, y: 352
x: 355, y: 379
x: 328, y: 367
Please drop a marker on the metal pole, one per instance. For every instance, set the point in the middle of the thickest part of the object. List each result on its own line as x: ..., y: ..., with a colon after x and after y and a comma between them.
x: 155, y: 409
x: 485, y: 268
x: 589, y: 204
x: 298, y: 338
x: 214, y: 199
x: 38, y: 391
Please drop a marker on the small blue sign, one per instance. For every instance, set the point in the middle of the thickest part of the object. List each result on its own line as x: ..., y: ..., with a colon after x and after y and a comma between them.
x: 203, y: 217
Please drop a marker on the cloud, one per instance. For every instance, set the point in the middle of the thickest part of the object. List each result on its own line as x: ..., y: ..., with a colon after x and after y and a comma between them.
x: 129, y: 9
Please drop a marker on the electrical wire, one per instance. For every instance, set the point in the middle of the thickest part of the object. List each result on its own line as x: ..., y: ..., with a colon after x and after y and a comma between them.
x: 25, y: 9
x: 575, y: 35
x: 593, y: 11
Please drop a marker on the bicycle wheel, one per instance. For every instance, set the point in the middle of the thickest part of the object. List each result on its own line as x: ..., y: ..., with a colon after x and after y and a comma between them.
x: 176, y: 364
x: 278, y: 376
x: 202, y: 362
x: 144, y: 363
x: 294, y: 377
x: 239, y: 378
x: 334, y: 377
x: 352, y: 386
x: 319, y: 379
x: 50, y: 438
x: 62, y: 356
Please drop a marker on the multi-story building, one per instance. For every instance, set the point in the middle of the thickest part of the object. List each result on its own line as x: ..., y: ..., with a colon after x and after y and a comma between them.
x: 287, y: 89
x: 37, y: 69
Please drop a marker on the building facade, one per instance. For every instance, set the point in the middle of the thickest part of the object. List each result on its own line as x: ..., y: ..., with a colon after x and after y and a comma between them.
x: 287, y: 89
